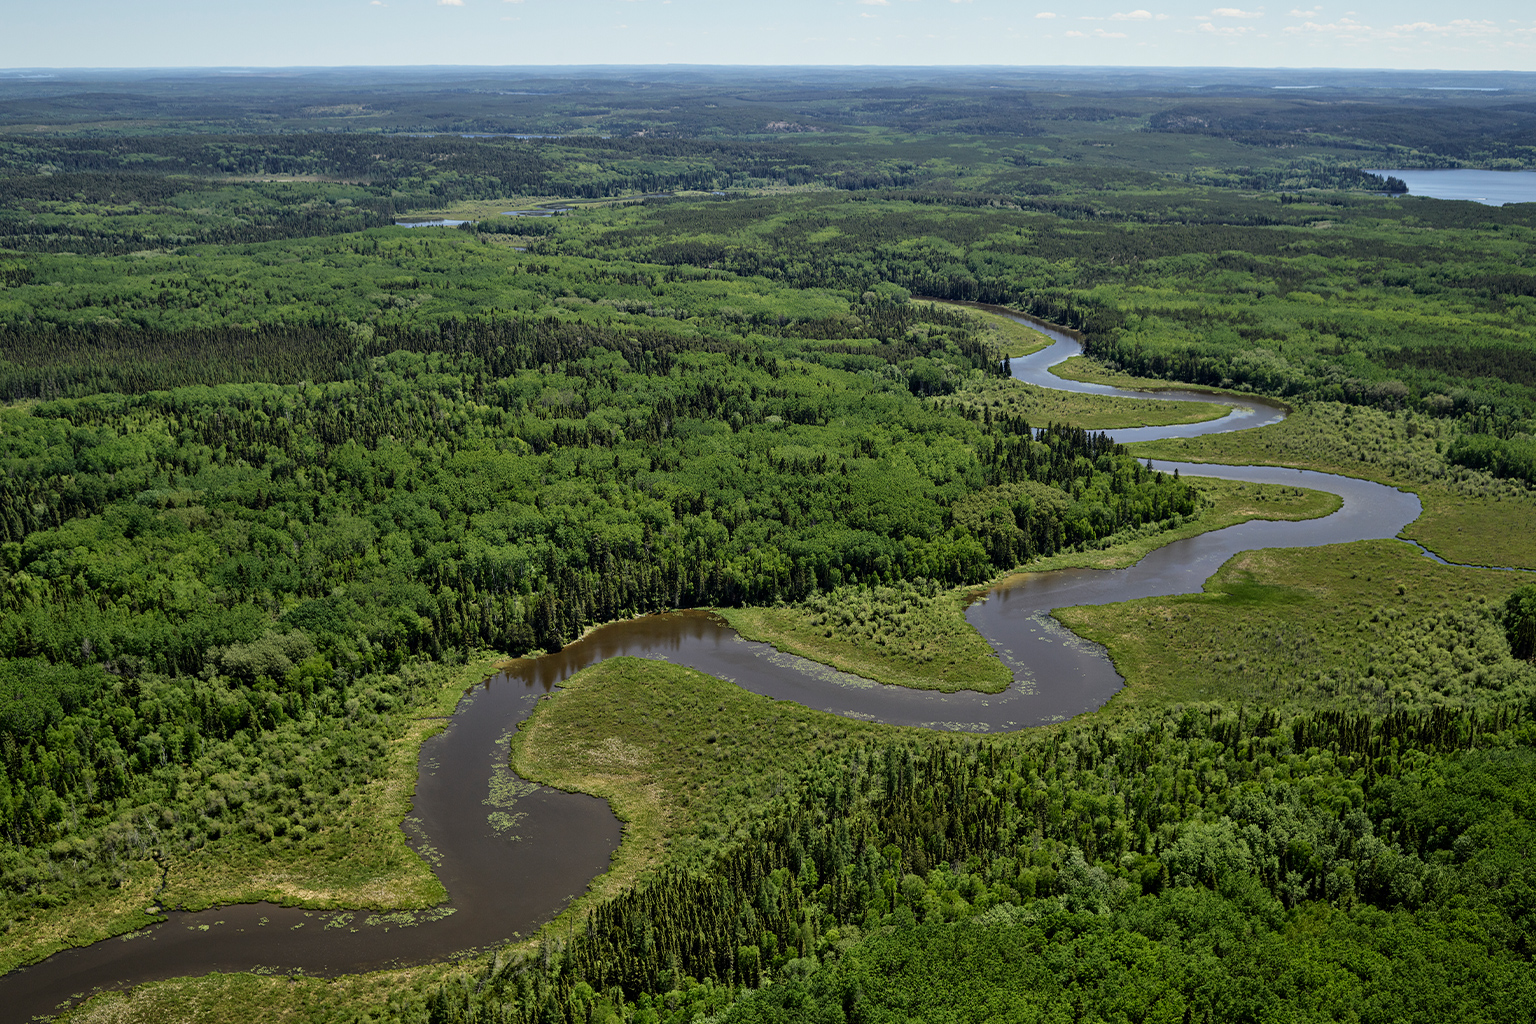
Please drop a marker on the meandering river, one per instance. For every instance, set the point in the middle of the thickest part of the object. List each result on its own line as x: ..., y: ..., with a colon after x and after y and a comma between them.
x: 513, y: 855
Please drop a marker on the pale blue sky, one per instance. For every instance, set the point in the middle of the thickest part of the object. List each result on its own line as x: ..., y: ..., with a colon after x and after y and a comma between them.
x: 1475, y: 34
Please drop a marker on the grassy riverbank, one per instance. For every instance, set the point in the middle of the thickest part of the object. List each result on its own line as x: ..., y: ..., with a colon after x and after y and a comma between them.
x: 905, y: 634
x: 287, y: 999
x: 1040, y: 406
x: 686, y: 760
x: 1224, y: 503
x: 1498, y: 531
x: 1469, y: 517
x: 1087, y: 370
x: 1011, y: 338
x: 917, y: 635
x: 1372, y: 626
x: 352, y: 859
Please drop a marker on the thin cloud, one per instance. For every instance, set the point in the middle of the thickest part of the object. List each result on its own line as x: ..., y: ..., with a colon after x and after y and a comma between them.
x: 1047, y: 14
x: 1237, y: 12
x: 1346, y: 30
x: 1458, y: 27
x: 450, y: 3
x: 875, y: 3
x: 1225, y: 30
x: 1132, y: 16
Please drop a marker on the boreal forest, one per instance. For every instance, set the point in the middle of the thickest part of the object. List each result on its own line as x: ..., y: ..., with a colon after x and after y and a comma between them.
x: 326, y: 397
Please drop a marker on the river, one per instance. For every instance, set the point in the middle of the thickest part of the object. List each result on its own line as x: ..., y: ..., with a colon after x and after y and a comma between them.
x: 512, y: 855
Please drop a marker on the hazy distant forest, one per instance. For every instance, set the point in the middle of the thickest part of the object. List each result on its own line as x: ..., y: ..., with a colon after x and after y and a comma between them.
x: 278, y: 477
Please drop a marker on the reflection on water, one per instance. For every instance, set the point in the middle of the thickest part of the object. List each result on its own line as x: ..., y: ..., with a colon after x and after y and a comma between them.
x: 512, y: 855
x: 501, y: 880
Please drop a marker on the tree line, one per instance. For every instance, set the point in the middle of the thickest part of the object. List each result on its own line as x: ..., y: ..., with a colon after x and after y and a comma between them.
x: 991, y: 853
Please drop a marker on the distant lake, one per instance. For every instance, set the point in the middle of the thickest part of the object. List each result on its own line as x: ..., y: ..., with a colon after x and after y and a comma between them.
x: 429, y: 223
x: 1493, y: 188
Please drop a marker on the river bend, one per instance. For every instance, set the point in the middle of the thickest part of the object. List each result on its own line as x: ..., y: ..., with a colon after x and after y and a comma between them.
x: 512, y: 855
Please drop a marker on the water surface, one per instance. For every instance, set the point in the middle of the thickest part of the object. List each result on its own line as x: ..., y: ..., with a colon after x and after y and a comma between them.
x: 512, y: 855
x: 1246, y: 412
x: 1493, y: 188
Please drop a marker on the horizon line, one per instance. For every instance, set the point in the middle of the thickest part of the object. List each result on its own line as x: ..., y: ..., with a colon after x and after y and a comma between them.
x: 54, y: 69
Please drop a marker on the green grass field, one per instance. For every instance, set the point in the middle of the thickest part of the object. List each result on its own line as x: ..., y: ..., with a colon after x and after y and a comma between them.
x: 1371, y: 626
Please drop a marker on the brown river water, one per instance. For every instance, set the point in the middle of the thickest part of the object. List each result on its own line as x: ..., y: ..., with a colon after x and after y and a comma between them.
x: 513, y: 855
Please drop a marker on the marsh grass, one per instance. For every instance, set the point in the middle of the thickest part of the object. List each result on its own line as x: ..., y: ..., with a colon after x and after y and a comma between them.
x: 1372, y: 626
x: 1499, y: 531
x: 906, y: 634
x: 360, y: 860
x: 1040, y: 406
x: 1223, y: 503
x: 1331, y: 437
x: 1012, y: 338
x: 916, y: 634
x: 35, y: 935
x: 1469, y: 516
x: 687, y: 761
x: 285, y: 999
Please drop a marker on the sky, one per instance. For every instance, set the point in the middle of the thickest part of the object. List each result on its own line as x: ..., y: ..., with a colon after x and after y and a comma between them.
x: 1410, y: 34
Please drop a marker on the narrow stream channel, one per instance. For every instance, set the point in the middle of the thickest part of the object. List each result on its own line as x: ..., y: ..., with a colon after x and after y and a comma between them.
x: 512, y: 855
